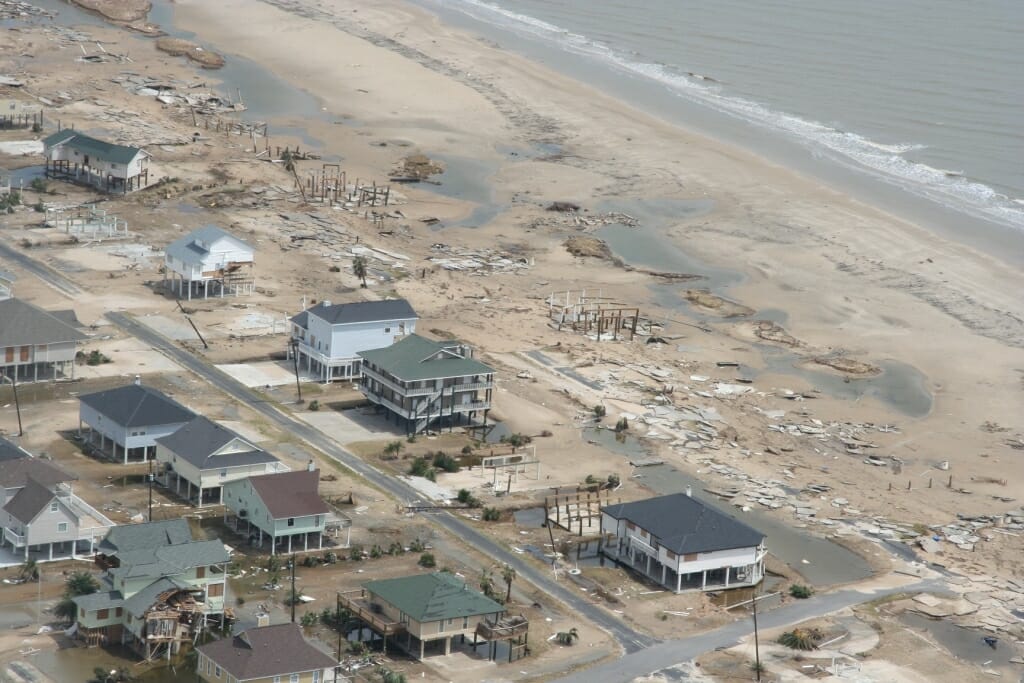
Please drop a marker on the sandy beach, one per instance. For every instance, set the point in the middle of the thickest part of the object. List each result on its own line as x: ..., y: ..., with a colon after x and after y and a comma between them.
x: 851, y: 279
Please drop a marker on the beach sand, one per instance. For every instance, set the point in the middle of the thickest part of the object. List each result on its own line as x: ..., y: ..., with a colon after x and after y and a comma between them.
x: 850, y: 277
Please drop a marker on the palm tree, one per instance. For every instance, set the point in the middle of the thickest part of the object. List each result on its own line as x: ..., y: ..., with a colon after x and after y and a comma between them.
x: 359, y: 268
x: 508, y: 572
x: 29, y: 571
x: 567, y: 637
x: 81, y: 583
x: 486, y: 583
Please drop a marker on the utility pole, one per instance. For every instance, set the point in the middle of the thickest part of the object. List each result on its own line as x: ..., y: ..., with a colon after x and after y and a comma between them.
x: 757, y: 648
x: 295, y: 598
x: 338, y: 625
x: 295, y: 360
x: 17, y: 404
x: 150, y: 490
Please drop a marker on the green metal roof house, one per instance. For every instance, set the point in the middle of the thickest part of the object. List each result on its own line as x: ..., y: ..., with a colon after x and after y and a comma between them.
x: 159, y: 587
x: 426, y: 612
x: 71, y: 155
x: 421, y: 381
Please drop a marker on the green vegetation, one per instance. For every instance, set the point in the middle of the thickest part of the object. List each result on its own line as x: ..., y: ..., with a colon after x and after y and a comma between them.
x: 422, y: 467
x: 567, y: 637
x: 314, y: 405
x: 77, y: 583
x: 359, y: 269
x: 491, y: 514
x: 801, y: 591
x: 801, y: 639
x: 599, y: 412
x: 508, y: 574
x: 443, y: 461
x: 427, y: 560
x: 466, y: 497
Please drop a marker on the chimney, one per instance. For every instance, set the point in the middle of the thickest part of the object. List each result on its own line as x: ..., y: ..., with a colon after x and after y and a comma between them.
x: 689, y: 492
x: 310, y: 467
x: 326, y: 303
x: 262, y: 619
x: 138, y: 380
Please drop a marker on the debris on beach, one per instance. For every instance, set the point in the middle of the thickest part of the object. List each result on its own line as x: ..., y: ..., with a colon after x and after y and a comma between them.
x: 178, y: 47
x: 476, y: 261
x: 586, y: 246
x: 14, y: 9
x: 415, y: 168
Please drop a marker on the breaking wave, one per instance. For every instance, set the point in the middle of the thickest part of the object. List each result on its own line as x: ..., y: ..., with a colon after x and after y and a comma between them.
x: 886, y: 161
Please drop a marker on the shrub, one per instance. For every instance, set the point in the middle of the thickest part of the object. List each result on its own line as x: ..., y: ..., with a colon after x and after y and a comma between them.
x: 411, y: 438
x: 38, y: 185
x: 613, y: 481
x: 427, y: 560
x: 622, y: 425
x: 600, y: 411
x: 801, y: 591
x: 491, y: 514
x: 309, y: 619
x: 417, y: 546
x: 467, y: 450
x: 590, y: 480
x: 96, y: 358
x: 240, y: 600
x: 466, y: 497
x: 314, y: 405
x: 335, y: 269
x: 330, y: 557
x: 567, y: 637
x: 376, y: 552
x: 396, y: 548
x: 310, y: 561
x: 443, y: 461
x: 518, y: 440
x: 39, y: 207
x: 355, y: 553
x: 801, y: 639
x: 394, y: 448
x: 421, y: 467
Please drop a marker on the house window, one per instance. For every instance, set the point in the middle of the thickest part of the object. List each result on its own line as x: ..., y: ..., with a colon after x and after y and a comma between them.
x: 103, y: 614
x: 387, y: 330
x: 277, y: 679
x: 81, y: 613
x: 690, y: 557
x: 631, y: 526
x: 294, y: 678
x: 62, y: 528
x: 465, y: 622
x: 291, y: 521
x: 216, y: 671
x: 223, y: 473
x: 53, y: 506
x: 215, y: 590
x: 200, y: 572
x: 316, y: 520
x: 671, y: 555
x: 316, y: 677
x: 118, y: 612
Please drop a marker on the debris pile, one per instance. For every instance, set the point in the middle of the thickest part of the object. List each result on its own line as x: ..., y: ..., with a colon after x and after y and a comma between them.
x: 178, y: 93
x: 14, y: 9
x: 476, y: 261
x: 179, y: 47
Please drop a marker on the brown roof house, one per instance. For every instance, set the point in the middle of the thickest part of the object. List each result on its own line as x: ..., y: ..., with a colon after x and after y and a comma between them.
x: 41, y: 517
x: 286, y: 507
x: 268, y: 654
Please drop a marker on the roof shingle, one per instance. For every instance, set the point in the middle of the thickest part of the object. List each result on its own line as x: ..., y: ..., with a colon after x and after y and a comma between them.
x: 265, y: 652
x: 135, y: 405
x: 109, y: 151
x: 18, y: 466
x: 686, y: 525
x: 290, y: 494
x: 359, y: 312
x: 29, y: 501
x: 24, y: 324
x: 199, y: 440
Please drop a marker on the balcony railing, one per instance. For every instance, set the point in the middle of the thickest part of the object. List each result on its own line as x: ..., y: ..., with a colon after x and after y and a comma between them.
x: 17, y: 540
x: 643, y: 546
x: 467, y: 407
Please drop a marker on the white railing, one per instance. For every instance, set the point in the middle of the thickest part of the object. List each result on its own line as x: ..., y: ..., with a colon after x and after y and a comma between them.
x: 474, y: 386
x: 14, y: 538
x: 643, y: 546
x: 467, y: 407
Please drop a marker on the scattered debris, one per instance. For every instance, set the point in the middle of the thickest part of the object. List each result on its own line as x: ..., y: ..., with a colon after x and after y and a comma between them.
x: 179, y: 47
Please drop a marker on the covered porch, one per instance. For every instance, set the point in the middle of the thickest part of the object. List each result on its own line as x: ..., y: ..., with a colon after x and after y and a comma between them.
x: 705, y: 579
x: 108, y: 447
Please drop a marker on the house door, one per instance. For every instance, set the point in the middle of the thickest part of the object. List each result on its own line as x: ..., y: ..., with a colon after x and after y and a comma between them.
x: 9, y: 354
x: 86, y: 161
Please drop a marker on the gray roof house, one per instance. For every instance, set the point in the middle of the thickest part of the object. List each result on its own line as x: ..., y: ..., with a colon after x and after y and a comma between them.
x: 74, y: 156
x: 36, y: 344
x: 267, y: 653
x: 159, y: 587
x: 204, y: 456
x: 683, y: 543
x: 40, y: 514
x: 128, y: 420
x: 205, y: 256
x: 421, y: 381
x: 285, y: 507
x: 329, y: 337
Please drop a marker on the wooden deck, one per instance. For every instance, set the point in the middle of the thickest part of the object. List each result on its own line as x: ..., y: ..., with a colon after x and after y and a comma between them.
x: 355, y: 602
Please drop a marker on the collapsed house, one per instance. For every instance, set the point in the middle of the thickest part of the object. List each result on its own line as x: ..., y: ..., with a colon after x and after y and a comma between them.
x: 158, y: 590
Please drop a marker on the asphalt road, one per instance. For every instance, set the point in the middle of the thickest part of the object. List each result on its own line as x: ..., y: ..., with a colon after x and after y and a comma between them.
x: 43, y: 272
x: 670, y: 653
x: 630, y: 640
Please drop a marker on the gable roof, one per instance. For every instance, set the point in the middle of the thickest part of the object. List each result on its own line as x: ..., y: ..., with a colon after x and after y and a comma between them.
x: 198, y: 441
x: 169, y: 560
x: 139, y: 603
x: 431, y: 597
x: 188, y: 250
x: 17, y: 467
x: 407, y: 359
x: 29, y: 501
x: 267, y: 651
x: 360, y: 312
x: 685, y: 525
x: 148, y: 535
x: 24, y: 324
x: 118, y: 154
x: 135, y: 405
x: 98, y: 600
x: 290, y: 494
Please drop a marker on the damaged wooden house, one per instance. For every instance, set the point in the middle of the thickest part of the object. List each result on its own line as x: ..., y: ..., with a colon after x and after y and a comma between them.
x: 209, y: 256
x: 110, y: 167
x: 160, y: 587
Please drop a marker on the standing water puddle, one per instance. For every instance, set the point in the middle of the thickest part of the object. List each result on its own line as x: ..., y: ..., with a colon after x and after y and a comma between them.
x: 820, y: 561
x: 965, y: 644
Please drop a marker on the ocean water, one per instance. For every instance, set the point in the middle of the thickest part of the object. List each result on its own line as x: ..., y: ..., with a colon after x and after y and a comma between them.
x: 922, y: 96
